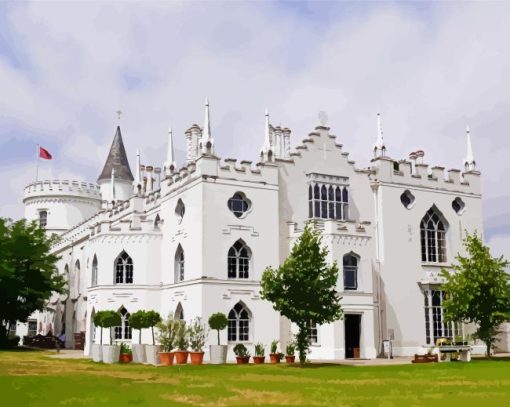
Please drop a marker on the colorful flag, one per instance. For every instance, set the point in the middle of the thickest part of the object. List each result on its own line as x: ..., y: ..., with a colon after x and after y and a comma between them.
x: 43, y: 153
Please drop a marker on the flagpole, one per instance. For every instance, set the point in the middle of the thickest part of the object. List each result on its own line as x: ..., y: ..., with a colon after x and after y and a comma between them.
x: 37, y: 165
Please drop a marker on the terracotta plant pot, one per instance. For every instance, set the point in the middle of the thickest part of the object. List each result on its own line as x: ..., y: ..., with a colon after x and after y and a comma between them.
x: 197, y: 358
x: 166, y: 358
x: 242, y: 360
x: 125, y: 357
x: 258, y: 360
x: 274, y: 358
x: 290, y: 359
x: 181, y: 357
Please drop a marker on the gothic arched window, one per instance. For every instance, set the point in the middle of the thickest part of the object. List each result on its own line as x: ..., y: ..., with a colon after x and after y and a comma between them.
x: 94, y: 272
x: 238, y: 323
x: 179, y: 265
x: 123, y: 269
x: 179, y: 312
x: 239, y: 260
x: 433, y: 238
x: 350, y: 263
x: 328, y: 201
x: 123, y: 331
x: 75, y: 289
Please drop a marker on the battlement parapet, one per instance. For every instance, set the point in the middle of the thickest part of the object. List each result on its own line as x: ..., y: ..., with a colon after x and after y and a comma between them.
x: 51, y: 188
x: 403, y: 172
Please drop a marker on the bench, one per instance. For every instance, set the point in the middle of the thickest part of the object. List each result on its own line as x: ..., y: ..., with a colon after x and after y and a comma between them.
x: 464, y: 352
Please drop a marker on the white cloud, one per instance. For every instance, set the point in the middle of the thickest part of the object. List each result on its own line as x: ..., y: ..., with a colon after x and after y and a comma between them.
x: 430, y: 74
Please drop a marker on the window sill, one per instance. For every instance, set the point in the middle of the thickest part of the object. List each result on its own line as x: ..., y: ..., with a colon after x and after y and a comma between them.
x: 429, y: 264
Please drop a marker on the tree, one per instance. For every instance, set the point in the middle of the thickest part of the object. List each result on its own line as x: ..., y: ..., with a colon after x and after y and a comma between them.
x: 28, y: 275
x: 152, y: 318
x: 479, y: 291
x: 138, y: 320
x: 303, y: 288
x: 218, y: 322
x: 109, y: 319
x: 98, y: 316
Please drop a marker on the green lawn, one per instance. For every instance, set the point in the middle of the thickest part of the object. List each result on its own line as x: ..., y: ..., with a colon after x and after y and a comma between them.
x: 31, y: 378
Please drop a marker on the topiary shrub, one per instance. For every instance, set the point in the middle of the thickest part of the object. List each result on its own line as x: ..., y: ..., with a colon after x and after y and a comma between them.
x: 218, y: 322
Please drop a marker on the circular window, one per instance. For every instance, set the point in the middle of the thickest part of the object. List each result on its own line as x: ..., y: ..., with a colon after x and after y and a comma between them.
x: 407, y: 199
x: 458, y: 206
x: 239, y: 204
x: 179, y: 210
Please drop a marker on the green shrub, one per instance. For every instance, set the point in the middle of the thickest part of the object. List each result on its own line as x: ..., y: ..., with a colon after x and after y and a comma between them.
x: 274, y: 346
x: 241, y: 351
x: 152, y: 319
x: 218, y: 322
x: 197, y: 335
x: 138, y: 320
x: 167, y: 333
x: 259, y: 349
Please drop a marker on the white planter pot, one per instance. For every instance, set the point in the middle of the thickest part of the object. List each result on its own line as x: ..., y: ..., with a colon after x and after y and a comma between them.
x: 138, y: 353
x: 218, y: 354
x: 111, y: 353
x: 151, y: 353
x: 97, y: 352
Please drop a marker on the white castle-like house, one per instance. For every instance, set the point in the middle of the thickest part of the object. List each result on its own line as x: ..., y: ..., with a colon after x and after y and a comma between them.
x: 195, y: 240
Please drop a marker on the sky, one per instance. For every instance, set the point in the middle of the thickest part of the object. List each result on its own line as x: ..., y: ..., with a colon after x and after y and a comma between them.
x: 430, y: 69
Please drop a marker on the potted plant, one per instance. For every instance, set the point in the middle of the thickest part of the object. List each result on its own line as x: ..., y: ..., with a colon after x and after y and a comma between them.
x: 275, y: 356
x: 126, y: 356
x: 138, y: 320
x: 111, y: 352
x: 181, y: 342
x: 218, y: 353
x: 97, y: 348
x: 259, y: 354
x: 242, y: 354
x: 167, y: 332
x: 152, y: 318
x: 197, y: 336
x: 290, y: 349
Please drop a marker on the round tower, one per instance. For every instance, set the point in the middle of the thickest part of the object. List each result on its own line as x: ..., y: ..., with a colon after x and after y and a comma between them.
x: 59, y: 205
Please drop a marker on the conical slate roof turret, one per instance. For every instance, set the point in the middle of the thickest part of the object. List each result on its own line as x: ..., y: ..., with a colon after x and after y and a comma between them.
x: 117, y: 159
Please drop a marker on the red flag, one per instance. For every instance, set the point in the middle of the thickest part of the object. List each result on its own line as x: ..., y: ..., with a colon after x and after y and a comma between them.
x: 43, y: 153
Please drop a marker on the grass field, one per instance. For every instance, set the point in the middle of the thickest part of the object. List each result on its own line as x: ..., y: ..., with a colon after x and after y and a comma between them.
x: 31, y: 378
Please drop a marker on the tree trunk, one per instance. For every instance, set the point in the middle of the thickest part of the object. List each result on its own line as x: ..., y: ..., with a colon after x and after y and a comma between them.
x: 302, y: 344
x: 140, y: 335
x: 101, y: 336
x: 218, y: 336
x: 153, y: 341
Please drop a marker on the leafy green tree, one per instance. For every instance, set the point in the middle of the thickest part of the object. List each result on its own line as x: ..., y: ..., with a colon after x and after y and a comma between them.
x: 109, y: 319
x: 303, y: 288
x: 97, y: 322
x: 218, y: 322
x: 152, y: 318
x: 479, y: 291
x: 138, y: 320
x: 28, y: 275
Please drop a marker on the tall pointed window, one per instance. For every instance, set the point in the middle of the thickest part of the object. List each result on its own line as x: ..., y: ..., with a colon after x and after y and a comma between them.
x: 94, y: 272
x: 239, y: 260
x: 350, y: 263
x: 75, y: 286
x: 328, y: 201
x: 238, y: 324
x: 179, y: 265
x: 123, y: 331
x: 433, y: 238
x: 124, y: 269
x: 43, y: 219
x: 179, y: 312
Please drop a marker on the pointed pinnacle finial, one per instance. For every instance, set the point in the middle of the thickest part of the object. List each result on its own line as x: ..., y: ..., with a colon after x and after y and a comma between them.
x: 207, y: 143
x: 266, y: 147
x: 170, y: 158
x: 469, y: 161
x: 379, y: 147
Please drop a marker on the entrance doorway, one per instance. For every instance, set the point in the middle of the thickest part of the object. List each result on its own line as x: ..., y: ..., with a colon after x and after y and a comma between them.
x: 352, y: 335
